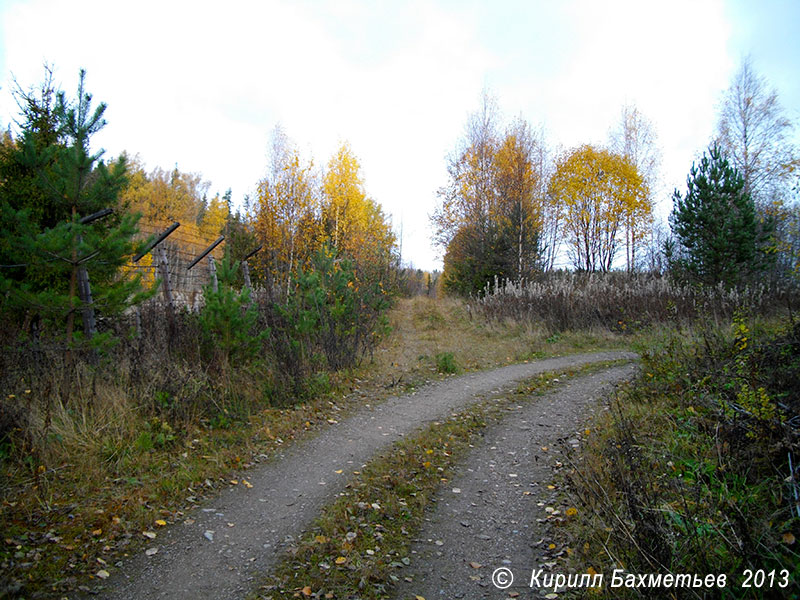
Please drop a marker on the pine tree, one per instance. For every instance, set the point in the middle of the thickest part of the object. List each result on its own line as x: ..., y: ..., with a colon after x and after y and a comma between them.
x: 51, y: 244
x: 721, y: 239
x: 229, y: 320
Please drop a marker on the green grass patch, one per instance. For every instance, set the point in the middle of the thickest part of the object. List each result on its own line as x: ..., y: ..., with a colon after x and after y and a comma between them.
x: 446, y: 363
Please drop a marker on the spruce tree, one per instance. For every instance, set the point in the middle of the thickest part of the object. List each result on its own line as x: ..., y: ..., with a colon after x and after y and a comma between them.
x: 721, y: 238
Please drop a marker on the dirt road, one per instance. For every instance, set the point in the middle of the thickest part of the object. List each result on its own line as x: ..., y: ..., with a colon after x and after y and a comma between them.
x: 226, y: 547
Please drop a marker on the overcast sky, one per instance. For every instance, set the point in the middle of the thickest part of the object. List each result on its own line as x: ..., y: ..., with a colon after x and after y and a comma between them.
x: 203, y: 84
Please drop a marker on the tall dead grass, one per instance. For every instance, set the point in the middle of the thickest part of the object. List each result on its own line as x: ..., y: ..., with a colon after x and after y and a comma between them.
x: 623, y: 302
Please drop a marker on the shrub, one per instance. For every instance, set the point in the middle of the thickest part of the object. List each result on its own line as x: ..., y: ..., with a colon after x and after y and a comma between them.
x: 446, y: 363
x: 229, y: 320
x: 334, y: 312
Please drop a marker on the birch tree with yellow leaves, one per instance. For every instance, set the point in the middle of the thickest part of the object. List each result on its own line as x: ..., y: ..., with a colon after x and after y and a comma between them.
x: 600, y: 192
x: 214, y: 218
x: 492, y: 213
x: 519, y: 206
x: 286, y: 213
x: 353, y: 223
x: 469, y: 196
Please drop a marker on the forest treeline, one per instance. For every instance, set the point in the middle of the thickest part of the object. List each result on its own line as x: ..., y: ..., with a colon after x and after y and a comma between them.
x: 514, y: 208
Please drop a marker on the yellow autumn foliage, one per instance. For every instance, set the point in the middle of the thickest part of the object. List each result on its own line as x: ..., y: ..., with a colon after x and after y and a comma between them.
x: 286, y: 219
x: 353, y: 223
x: 601, y: 194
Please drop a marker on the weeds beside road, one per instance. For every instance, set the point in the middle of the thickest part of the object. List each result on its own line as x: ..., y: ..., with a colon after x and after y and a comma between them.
x: 695, y: 470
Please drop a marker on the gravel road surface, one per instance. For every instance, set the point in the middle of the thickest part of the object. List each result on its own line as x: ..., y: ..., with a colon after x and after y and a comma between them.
x: 226, y: 547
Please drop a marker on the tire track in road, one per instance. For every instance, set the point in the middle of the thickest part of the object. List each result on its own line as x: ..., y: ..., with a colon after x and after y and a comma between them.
x: 488, y: 516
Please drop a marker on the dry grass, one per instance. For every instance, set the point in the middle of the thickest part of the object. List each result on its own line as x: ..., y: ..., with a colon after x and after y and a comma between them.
x: 424, y: 327
x: 624, y: 302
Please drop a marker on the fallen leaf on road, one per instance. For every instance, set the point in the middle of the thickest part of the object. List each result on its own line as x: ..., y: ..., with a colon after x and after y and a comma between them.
x: 340, y: 560
x: 475, y: 565
x: 161, y: 522
x: 151, y: 535
x: 102, y: 574
x: 151, y: 551
x: 306, y: 590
